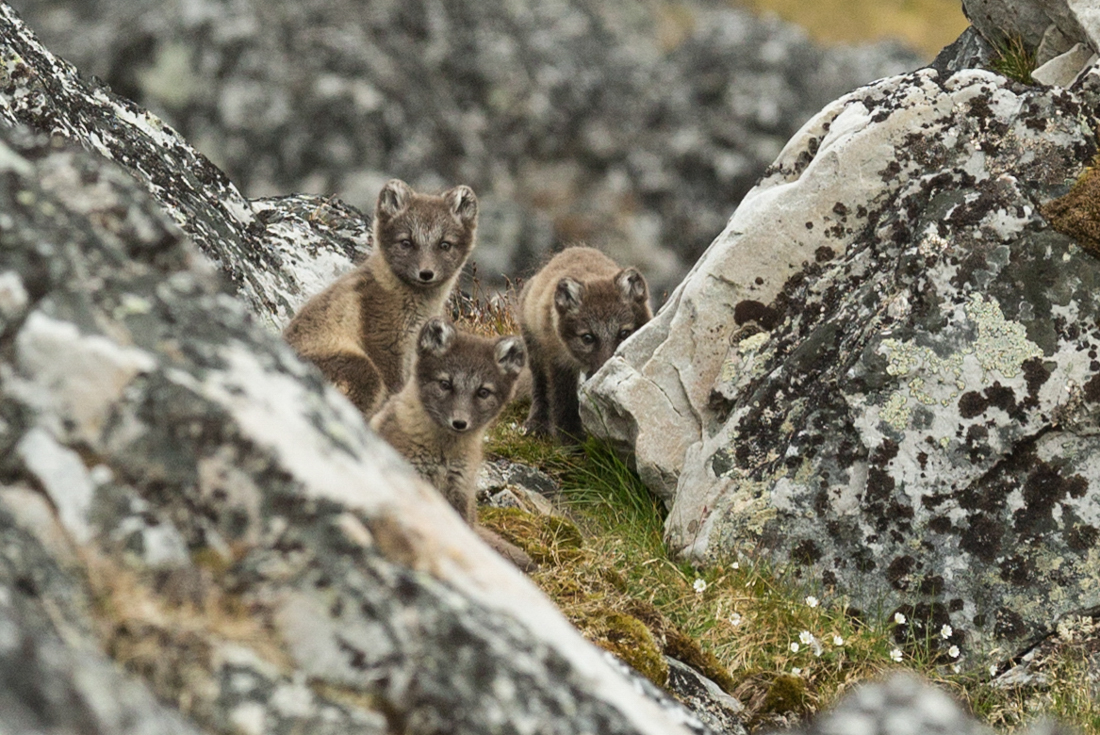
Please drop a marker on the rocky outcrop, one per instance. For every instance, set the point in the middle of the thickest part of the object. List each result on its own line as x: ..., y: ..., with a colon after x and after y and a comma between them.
x: 276, y: 252
x: 885, y: 371
x: 188, y: 514
x: 637, y: 126
x: 1062, y: 35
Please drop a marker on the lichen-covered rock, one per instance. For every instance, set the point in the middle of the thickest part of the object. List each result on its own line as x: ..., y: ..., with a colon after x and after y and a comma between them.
x: 276, y: 252
x: 637, y: 126
x: 221, y: 523
x: 885, y: 371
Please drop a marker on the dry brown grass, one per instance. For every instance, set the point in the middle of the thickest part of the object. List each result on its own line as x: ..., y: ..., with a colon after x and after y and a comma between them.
x: 927, y: 25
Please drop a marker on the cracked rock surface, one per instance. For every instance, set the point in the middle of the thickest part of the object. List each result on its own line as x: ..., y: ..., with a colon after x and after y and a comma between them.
x: 638, y: 126
x: 885, y: 371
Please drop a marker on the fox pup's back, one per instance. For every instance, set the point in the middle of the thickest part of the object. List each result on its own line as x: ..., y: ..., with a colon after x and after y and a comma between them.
x: 574, y: 313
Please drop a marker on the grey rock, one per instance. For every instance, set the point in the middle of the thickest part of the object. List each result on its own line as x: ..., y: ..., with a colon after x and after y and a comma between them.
x: 604, y: 120
x: 1047, y: 27
x: 883, y: 372
x: 256, y: 555
x: 900, y: 705
x: 717, y: 710
x: 1064, y: 69
x: 275, y: 252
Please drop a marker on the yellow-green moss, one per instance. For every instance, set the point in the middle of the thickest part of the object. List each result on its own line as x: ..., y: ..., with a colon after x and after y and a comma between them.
x: 549, y: 540
x: 629, y: 639
x: 1077, y: 214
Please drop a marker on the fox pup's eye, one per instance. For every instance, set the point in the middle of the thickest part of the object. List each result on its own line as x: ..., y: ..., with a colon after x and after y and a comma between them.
x: 445, y: 245
x: 588, y: 338
x: 624, y: 333
x: 406, y: 244
x: 445, y: 384
x: 484, y: 392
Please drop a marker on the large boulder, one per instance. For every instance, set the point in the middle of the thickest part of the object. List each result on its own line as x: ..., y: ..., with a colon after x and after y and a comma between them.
x: 638, y: 126
x: 188, y: 514
x: 885, y: 370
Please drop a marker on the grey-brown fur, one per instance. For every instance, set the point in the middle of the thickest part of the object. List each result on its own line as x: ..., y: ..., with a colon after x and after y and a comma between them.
x: 460, y: 383
x: 360, y: 330
x: 574, y: 313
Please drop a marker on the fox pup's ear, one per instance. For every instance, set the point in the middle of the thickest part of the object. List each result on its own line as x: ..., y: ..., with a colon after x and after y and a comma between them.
x: 510, y: 355
x: 436, y: 337
x: 632, y: 285
x: 568, y: 295
x: 394, y: 197
x: 463, y: 203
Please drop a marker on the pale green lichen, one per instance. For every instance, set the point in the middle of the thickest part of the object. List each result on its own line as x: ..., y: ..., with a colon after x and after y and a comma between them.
x: 1001, y: 346
x: 896, y: 411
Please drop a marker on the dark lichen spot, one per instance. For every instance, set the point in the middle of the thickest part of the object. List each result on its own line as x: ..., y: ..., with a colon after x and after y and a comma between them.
x: 932, y: 585
x: 754, y: 311
x: 1009, y: 625
x: 1081, y: 537
x: 806, y: 552
x: 982, y: 537
x: 898, y: 572
x: 940, y: 524
x: 1014, y: 570
x: 824, y: 254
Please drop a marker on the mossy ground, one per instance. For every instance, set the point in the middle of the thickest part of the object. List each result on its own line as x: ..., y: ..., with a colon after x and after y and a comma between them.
x: 1077, y: 214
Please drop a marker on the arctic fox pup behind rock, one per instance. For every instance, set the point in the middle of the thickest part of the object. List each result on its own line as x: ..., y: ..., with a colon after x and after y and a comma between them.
x: 573, y: 313
x: 360, y: 330
x: 459, y: 384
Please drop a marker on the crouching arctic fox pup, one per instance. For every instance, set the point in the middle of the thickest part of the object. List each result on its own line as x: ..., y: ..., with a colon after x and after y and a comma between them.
x: 573, y: 313
x: 459, y: 383
x: 360, y: 330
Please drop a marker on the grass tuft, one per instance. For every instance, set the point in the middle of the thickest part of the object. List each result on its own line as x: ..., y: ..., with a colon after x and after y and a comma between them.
x: 1014, y: 60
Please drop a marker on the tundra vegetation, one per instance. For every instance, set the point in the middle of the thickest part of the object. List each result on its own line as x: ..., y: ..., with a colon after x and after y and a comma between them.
x: 783, y: 646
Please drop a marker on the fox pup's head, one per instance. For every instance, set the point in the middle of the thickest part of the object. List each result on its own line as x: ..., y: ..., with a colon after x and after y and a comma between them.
x: 464, y: 380
x: 425, y: 238
x: 594, y: 317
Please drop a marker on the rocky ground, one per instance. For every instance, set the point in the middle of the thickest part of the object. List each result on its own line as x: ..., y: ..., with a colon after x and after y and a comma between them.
x: 635, y: 126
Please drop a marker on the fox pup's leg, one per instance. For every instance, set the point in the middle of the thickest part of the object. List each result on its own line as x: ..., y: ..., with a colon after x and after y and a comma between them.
x: 508, y: 550
x: 564, y: 406
x: 538, y: 419
x: 356, y: 377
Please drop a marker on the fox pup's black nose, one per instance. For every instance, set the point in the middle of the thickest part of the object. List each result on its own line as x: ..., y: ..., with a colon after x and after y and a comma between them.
x: 426, y: 275
x: 459, y: 424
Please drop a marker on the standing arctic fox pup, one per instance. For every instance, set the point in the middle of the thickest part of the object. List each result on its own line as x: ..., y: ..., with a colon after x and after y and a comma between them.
x: 574, y: 313
x: 360, y: 330
x: 460, y: 382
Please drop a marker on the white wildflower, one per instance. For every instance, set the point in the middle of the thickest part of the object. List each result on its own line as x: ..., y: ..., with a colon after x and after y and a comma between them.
x: 736, y: 619
x: 838, y: 641
x: 895, y: 655
x: 806, y: 637
x: 993, y: 669
x: 812, y: 601
x: 794, y: 647
x: 736, y: 565
x: 699, y: 586
x: 953, y: 652
x: 946, y: 631
x: 796, y: 671
x: 899, y: 618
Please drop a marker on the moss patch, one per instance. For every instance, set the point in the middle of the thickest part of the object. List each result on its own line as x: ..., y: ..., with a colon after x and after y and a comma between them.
x: 1077, y: 214
x: 549, y: 540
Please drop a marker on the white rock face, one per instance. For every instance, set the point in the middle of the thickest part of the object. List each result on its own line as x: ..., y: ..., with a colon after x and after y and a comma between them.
x: 1052, y: 27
